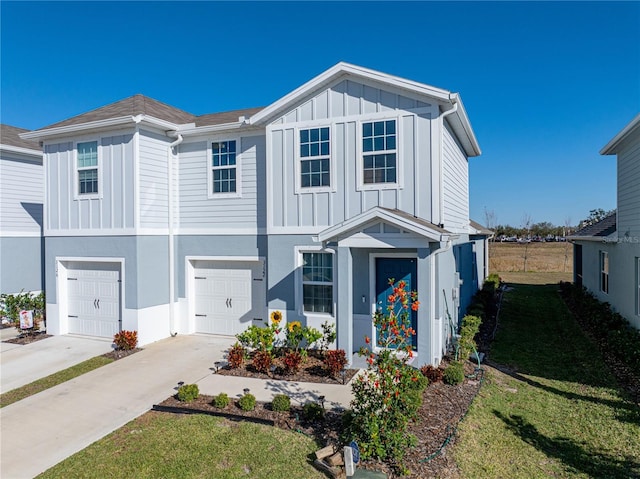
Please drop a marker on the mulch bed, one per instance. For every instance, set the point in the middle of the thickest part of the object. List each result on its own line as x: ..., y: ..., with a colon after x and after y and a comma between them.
x: 27, y: 338
x: 119, y: 354
x: 312, y: 371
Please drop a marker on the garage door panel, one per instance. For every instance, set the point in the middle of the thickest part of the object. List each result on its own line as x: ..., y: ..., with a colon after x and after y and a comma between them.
x: 224, y: 296
x: 94, y: 299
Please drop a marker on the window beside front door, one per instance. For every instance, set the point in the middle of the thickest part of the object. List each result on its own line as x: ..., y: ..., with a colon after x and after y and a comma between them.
x: 317, y: 282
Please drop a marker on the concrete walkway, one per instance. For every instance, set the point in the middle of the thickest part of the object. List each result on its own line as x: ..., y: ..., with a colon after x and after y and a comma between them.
x: 42, y: 430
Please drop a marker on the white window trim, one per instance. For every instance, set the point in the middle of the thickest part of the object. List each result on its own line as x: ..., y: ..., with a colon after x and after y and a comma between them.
x: 210, y: 167
x: 298, y: 251
x: 601, y: 262
x: 361, y: 185
x: 298, y: 188
x: 76, y: 176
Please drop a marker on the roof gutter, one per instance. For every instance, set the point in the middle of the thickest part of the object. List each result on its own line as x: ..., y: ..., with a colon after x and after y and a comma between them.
x: 170, y: 201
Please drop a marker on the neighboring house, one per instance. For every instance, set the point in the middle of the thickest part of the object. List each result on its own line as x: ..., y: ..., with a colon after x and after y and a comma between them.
x: 607, y: 253
x: 164, y: 222
x: 21, y: 197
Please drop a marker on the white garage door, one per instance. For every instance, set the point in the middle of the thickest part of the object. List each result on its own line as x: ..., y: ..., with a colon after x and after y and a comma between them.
x: 94, y: 298
x: 228, y: 296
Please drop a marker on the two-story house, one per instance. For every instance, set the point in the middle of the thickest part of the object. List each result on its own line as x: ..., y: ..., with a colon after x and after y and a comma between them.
x: 21, y: 198
x: 165, y: 222
x: 607, y: 253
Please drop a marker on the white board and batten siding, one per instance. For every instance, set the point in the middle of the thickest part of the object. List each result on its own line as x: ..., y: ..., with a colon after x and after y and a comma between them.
x: 343, y: 107
x: 93, y: 298
x: 200, y: 210
x: 153, y: 179
x: 629, y: 186
x: 111, y: 209
x: 21, y: 195
x: 229, y: 296
x: 455, y: 184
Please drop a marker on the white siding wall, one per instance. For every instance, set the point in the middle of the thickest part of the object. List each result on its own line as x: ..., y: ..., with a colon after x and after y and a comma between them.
x: 343, y: 107
x: 200, y: 212
x: 153, y: 173
x: 21, y: 194
x: 115, y: 206
x: 455, y: 184
x: 629, y: 187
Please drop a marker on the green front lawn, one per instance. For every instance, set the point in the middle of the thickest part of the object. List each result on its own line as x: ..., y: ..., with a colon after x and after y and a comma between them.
x: 555, y: 410
x: 161, y: 445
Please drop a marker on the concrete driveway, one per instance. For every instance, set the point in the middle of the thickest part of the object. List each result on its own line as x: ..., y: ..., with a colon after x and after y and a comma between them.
x: 42, y: 430
x: 23, y: 364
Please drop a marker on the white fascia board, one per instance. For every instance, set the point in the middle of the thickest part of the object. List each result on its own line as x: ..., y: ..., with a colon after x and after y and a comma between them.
x: 342, y: 69
x: 21, y: 151
x: 157, y: 122
x: 192, y: 130
x: 64, y: 130
x: 378, y: 214
x: 610, y: 148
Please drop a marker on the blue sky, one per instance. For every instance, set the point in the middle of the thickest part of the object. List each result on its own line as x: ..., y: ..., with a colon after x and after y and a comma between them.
x: 546, y: 85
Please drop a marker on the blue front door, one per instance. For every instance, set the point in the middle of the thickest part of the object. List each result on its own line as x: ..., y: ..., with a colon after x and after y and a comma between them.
x: 399, y: 269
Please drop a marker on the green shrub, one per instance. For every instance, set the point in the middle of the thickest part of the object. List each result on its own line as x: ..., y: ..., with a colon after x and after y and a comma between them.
x: 12, y: 304
x: 453, y: 374
x: 257, y: 337
x: 188, y: 392
x: 329, y: 335
x: 236, y: 355
x: 247, y: 402
x: 221, y: 401
x: 470, y: 327
x: 312, y: 411
x: 281, y: 402
x: 417, y: 380
x: 493, y: 282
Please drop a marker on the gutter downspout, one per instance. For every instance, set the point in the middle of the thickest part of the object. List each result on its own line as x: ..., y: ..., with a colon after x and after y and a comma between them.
x: 172, y: 286
x: 454, y: 103
x: 433, y: 299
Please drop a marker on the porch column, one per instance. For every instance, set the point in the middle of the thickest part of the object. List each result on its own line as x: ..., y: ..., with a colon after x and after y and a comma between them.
x: 344, y: 300
x: 427, y: 323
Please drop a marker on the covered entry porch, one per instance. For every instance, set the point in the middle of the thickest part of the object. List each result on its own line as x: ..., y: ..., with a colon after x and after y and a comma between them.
x: 373, y: 247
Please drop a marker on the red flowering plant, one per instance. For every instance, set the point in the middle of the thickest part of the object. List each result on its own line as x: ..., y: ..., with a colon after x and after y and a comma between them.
x: 387, y: 395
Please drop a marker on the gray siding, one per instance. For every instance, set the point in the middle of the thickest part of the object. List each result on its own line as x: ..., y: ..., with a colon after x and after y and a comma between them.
x: 347, y: 197
x: 629, y: 187
x: 154, y: 180
x: 146, y: 266
x: 21, y: 265
x: 21, y: 194
x: 197, y: 210
x: 115, y: 207
x: 455, y: 183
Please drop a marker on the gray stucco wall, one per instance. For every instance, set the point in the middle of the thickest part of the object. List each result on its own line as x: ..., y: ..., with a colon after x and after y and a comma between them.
x: 21, y: 267
x: 146, y: 269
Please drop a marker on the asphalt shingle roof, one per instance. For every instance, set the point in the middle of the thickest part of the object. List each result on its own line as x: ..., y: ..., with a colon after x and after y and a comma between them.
x: 605, y: 227
x: 9, y: 136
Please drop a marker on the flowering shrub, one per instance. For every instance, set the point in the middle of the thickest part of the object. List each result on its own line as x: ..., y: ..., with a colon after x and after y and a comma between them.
x: 296, y: 334
x: 385, y: 396
x: 292, y: 361
x: 126, y: 340
x: 236, y: 356
x: 262, y: 361
x: 335, y: 360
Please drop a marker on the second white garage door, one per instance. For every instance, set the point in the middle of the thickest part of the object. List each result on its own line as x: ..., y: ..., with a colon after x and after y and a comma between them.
x: 228, y: 296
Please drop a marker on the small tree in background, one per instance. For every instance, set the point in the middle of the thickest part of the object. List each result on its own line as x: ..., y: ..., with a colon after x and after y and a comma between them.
x: 526, y: 225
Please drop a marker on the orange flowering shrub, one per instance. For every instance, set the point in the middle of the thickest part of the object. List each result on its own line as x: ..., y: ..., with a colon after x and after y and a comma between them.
x: 126, y: 340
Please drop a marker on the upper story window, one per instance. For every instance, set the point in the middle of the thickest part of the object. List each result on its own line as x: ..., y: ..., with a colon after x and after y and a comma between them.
x: 87, y: 157
x: 604, y: 271
x: 379, y: 152
x: 317, y: 282
x: 315, y: 154
x: 224, y: 174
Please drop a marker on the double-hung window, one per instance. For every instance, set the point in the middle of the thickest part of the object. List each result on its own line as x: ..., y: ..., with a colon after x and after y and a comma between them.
x: 224, y: 167
x: 315, y: 157
x: 87, y: 157
x: 379, y: 155
x: 604, y: 271
x: 317, y: 282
